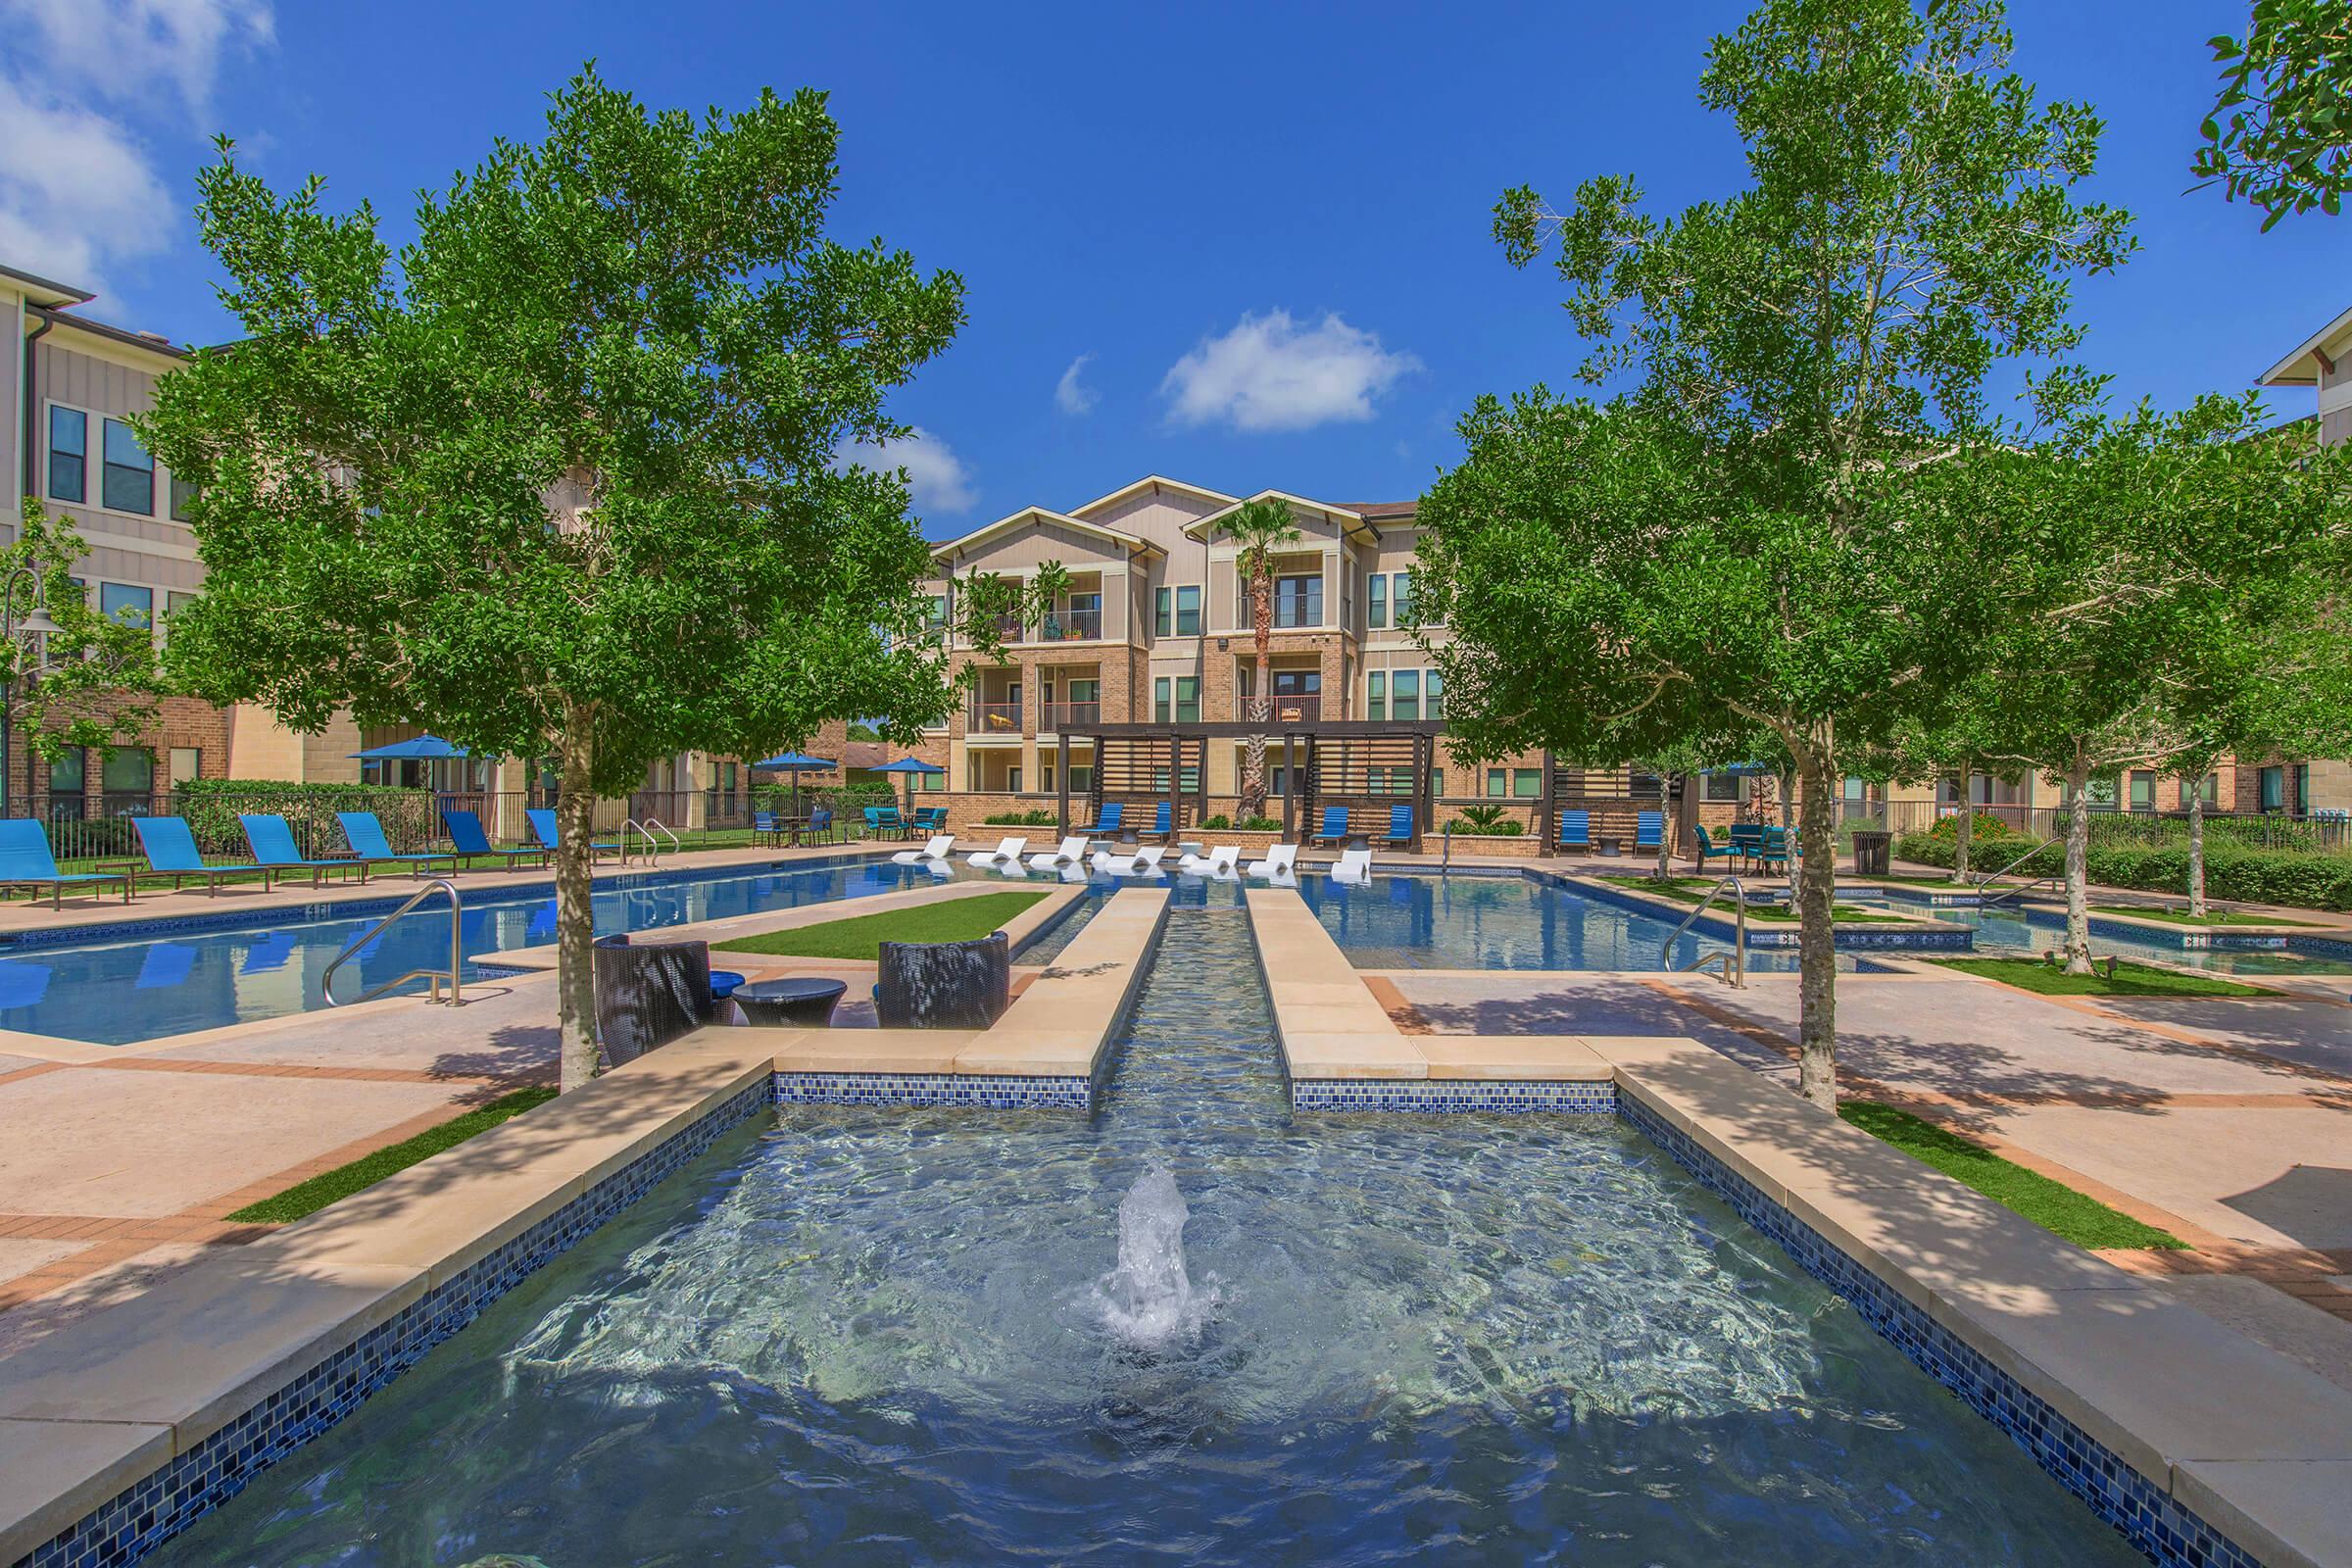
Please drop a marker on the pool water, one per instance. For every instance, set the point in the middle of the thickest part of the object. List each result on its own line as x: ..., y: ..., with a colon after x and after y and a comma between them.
x: 889, y: 1337
x: 2008, y: 930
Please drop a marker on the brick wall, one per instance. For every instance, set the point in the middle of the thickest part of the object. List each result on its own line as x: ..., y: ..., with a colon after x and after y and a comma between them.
x: 178, y: 722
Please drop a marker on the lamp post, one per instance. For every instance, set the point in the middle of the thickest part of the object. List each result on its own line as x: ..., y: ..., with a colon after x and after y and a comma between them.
x: 24, y: 643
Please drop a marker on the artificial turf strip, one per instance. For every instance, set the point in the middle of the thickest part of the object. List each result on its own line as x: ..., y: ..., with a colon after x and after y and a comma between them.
x: 329, y: 1187
x: 2181, y: 916
x: 2131, y: 979
x: 862, y: 936
x: 2053, y: 1205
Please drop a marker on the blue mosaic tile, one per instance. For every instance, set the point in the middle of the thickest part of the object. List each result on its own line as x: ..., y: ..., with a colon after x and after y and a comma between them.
x: 2320, y: 947
x: 193, y: 1484
x: 909, y: 1088
x: 1452, y: 1095
x: 2140, y: 1511
x: 1847, y: 938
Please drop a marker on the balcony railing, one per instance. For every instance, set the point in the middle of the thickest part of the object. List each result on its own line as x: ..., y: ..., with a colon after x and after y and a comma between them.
x: 996, y: 718
x: 1288, y: 708
x: 1010, y: 630
x: 1071, y: 625
x: 1065, y: 715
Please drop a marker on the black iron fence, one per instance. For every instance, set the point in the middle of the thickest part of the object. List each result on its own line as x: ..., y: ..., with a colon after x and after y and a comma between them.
x: 2317, y: 832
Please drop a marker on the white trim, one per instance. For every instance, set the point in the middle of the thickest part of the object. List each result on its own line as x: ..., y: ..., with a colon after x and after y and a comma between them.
x: 1154, y: 483
x: 2291, y: 371
x: 1349, y: 522
x: 946, y: 550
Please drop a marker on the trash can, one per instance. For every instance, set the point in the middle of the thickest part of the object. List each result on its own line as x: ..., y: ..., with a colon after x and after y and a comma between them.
x: 1870, y: 852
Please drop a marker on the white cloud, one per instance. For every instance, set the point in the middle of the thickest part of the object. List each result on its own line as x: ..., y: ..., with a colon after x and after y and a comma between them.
x: 1069, y: 396
x: 1268, y: 374
x: 79, y: 187
x: 935, y: 474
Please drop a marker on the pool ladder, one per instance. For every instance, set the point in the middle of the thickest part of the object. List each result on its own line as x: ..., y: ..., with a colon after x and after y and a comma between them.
x: 653, y: 846
x: 457, y: 950
x: 1733, y: 958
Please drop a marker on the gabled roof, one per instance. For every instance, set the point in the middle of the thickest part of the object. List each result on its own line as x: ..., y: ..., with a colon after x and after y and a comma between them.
x: 144, y: 342
x: 1152, y: 483
x: 1350, y: 523
x: 1028, y: 515
x: 2302, y: 368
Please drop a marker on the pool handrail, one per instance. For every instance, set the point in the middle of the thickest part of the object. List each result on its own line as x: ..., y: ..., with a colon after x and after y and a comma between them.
x: 457, y: 950
x: 1734, y: 962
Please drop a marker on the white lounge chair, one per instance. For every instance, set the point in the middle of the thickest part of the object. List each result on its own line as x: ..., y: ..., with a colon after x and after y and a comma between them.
x: 1071, y: 853
x: 1356, y: 866
x: 1218, y: 863
x: 1143, y: 862
x: 940, y: 846
x: 1282, y: 860
x: 1005, y: 856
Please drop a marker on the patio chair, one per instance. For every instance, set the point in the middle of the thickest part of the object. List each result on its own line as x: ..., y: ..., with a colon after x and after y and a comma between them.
x: 820, y: 825
x: 1144, y: 861
x: 888, y: 822
x: 765, y: 830
x: 930, y: 820
x: 171, y: 851
x: 365, y: 836
x: 1105, y: 826
x: 543, y: 828
x: 1281, y: 862
x: 1745, y: 839
x: 1163, y: 822
x: 1710, y: 852
x: 1576, y: 830
x: 26, y: 861
x: 274, y: 853
x: 1773, y: 849
x: 1400, y: 828
x: 1005, y: 856
x: 1334, y: 829
x: 939, y: 848
x: 1073, y: 852
x: 466, y: 837
x: 1650, y: 829
x: 1356, y: 866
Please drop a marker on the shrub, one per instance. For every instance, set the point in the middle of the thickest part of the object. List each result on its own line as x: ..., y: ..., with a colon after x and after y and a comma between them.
x: 1462, y: 827
x: 1019, y: 819
x: 1947, y: 828
x: 2253, y: 876
x: 1211, y: 824
x: 411, y: 818
x: 1261, y: 824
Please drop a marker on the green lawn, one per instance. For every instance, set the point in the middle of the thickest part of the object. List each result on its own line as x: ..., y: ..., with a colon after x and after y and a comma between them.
x: 1945, y: 883
x: 2053, y: 1205
x: 862, y: 936
x: 2131, y: 979
x: 2183, y: 917
x: 1690, y: 889
x: 329, y: 1187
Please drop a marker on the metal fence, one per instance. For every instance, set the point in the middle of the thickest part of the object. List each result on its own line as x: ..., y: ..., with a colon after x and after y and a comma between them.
x: 2320, y: 832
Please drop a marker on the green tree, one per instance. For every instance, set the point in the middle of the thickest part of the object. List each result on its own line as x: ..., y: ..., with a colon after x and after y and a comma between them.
x: 1260, y: 529
x: 560, y: 479
x: 2281, y: 130
x: 94, y: 681
x: 1790, y: 349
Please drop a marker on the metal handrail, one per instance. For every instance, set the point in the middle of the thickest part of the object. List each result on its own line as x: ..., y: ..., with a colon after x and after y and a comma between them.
x: 457, y: 950
x: 1991, y: 877
x: 1734, y: 962
x: 653, y: 846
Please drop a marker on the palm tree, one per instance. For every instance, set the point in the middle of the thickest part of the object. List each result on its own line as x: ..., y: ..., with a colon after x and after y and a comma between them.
x: 1261, y: 529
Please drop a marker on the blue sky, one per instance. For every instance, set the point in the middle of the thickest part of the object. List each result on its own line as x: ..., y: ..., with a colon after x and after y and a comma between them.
x: 1259, y: 233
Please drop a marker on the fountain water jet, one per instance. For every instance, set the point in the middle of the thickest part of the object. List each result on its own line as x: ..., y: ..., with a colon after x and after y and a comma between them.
x: 1148, y: 1301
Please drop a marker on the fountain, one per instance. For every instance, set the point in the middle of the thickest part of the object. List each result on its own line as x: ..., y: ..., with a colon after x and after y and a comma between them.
x: 1148, y: 1301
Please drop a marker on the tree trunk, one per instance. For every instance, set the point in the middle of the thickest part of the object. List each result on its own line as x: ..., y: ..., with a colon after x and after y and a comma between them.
x: 1665, y: 866
x: 1261, y: 697
x: 1816, y: 936
x: 575, y: 928
x: 2197, y: 849
x: 2078, y: 867
x: 1965, y: 831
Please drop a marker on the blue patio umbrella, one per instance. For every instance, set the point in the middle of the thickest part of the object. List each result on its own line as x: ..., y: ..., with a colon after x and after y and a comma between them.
x: 910, y: 766
x: 423, y: 747
x: 792, y: 763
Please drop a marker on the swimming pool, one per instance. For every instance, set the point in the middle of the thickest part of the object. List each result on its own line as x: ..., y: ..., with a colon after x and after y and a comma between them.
x: 943, y: 1335
x: 2012, y: 930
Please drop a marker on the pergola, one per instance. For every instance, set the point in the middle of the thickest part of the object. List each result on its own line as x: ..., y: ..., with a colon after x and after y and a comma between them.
x: 1338, y: 763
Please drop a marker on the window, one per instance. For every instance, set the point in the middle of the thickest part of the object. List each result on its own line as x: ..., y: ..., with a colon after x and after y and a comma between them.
x: 1179, y: 611
x: 935, y: 617
x: 128, y: 770
x: 126, y: 603
x: 1499, y: 782
x: 2209, y: 788
x: 66, y: 772
x: 174, y: 601
x: 1190, y: 786
x: 68, y: 454
x: 1404, y: 693
x: 1012, y: 781
x: 1433, y: 687
x: 1527, y: 782
x: 1376, y: 693
x: 1082, y: 777
x: 2272, y: 784
x: 1404, y: 599
x: 1085, y: 690
x: 186, y: 762
x: 1437, y: 781
x: 2303, y: 789
x: 1299, y: 600
x: 1176, y: 699
x: 183, y: 497
x: 932, y: 781
x: 129, y: 480
x: 2143, y: 792
x: 1377, y: 612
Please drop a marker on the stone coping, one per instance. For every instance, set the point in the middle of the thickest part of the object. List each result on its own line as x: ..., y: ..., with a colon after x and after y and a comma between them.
x: 1718, y: 922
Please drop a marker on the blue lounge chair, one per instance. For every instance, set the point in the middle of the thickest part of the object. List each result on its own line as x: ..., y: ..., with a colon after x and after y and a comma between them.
x: 171, y: 851
x: 466, y: 837
x: 26, y: 861
x: 1107, y: 826
x: 543, y: 828
x: 1163, y: 824
x: 365, y: 836
x: 1335, y: 827
x: 275, y: 852
x: 1576, y: 830
x: 1650, y: 829
x: 1710, y: 852
x: 1401, y: 826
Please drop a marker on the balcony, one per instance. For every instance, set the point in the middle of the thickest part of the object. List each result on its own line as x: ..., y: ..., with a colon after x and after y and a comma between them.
x: 1071, y: 625
x: 1009, y: 629
x: 996, y: 718
x: 1060, y: 717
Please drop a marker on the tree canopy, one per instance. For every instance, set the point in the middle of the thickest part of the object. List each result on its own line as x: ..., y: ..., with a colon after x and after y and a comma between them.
x: 2280, y: 132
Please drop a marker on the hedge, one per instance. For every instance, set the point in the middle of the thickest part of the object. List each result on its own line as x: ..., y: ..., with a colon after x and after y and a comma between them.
x: 211, y: 806
x: 2252, y: 876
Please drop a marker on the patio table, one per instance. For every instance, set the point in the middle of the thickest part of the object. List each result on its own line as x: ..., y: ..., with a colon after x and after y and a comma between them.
x: 798, y: 1002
